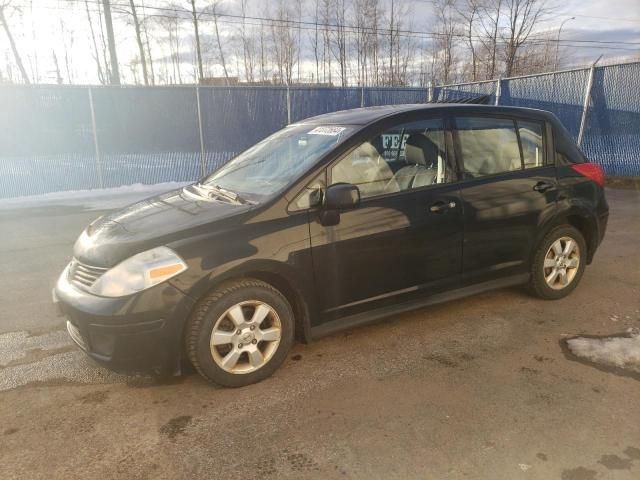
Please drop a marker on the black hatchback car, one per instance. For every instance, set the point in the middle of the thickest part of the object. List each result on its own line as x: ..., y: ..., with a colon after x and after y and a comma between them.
x: 332, y: 222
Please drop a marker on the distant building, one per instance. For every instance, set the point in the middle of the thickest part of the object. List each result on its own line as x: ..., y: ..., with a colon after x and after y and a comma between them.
x: 235, y: 82
x: 219, y: 81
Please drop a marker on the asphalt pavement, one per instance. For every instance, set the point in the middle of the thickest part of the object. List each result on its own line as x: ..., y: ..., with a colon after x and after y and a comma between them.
x: 480, y: 388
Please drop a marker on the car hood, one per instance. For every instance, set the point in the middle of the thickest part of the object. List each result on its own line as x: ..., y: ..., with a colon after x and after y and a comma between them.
x: 150, y: 223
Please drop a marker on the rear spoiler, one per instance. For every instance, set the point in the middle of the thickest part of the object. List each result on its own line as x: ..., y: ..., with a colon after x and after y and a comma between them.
x: 480, y: 100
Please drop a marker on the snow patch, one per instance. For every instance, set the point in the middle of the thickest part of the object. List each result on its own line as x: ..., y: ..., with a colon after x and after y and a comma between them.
x: 614, y: 351
x: 98, y: 199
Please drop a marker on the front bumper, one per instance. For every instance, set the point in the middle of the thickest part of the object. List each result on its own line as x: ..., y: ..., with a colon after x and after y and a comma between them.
x: 137, y: 333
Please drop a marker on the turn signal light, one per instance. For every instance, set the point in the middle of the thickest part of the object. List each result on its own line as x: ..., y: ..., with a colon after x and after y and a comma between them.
x: 167, y: 271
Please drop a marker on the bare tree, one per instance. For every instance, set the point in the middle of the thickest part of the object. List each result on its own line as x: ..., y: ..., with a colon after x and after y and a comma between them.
x: 523, y: 17
x: 284, y: 43
x: 57, y: 67
x: 115, y: 71
x: 214, y: 11
x: 327, y: 6
x: 103, y: 43
x: 363, y: 42
x: 298, y: 11
x: 363, y: 18
x: 33, y: 57
x: 68, y: 48
x: 339, y: 39
x: 145, y: 29
x: 391, y: 41
x: 397, y: 60
x: 490, y: 16
x: 444, y: 43
x: 469, y: 11
x: 404, y: 43
x: 405, y: 55
x: 248, y: 46
x: 263, y: 56
x: 376, y: 14
x: 196, y: 31
x: 315, y: 40
x: 94, y: 43
x: 538, y: 56
x: 136, y: 24
x: 177, y: 58
x: 5, y: 5
x: 170, y: 23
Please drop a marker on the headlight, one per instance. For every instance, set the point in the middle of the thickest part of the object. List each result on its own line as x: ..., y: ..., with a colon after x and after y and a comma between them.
x: 139, y: 272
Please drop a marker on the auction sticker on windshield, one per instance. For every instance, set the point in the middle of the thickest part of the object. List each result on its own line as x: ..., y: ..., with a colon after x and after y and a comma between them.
x: 331, y: 131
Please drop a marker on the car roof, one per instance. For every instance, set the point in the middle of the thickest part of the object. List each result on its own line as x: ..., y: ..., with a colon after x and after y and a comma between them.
x: 368, y: 115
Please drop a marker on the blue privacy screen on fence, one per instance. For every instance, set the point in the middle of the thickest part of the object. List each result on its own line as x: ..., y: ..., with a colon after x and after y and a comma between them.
x: 147, y: 135
x: 612, y: 134
x: 55, y: 138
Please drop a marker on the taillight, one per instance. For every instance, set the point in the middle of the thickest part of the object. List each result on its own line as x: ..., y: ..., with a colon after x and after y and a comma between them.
x: 592, y: 171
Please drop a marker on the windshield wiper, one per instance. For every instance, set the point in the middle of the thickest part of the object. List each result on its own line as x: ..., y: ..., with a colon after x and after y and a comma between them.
x: 217, y: 190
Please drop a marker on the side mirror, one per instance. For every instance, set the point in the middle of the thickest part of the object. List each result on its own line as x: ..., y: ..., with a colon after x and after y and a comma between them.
x: 341, y: 196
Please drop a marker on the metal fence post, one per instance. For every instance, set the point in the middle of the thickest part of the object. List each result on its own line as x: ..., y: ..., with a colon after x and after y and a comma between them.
x: 203, y: 165
x: 288, y: 105
x: 95, y: 139
x: 586, y: 102
x: 498, y: 91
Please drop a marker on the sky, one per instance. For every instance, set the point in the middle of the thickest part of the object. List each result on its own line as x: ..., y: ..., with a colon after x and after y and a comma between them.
x: 612, y: 20
x: 48, y: 26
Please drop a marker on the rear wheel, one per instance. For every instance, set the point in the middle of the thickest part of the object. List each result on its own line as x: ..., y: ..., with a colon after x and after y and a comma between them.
x: 240, y: 333
x: 558, y: 263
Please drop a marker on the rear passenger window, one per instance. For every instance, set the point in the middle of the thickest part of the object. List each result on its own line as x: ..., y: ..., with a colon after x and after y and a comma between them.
x: 488, y: 145
x: 531, y: 140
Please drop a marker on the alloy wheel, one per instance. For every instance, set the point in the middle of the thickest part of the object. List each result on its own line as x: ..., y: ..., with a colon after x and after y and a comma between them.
x: 245, y: 337
x: 561, y: 263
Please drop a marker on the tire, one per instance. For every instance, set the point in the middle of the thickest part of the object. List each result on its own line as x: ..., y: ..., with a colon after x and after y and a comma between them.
x: 234, y: 313
x: 547, y: 261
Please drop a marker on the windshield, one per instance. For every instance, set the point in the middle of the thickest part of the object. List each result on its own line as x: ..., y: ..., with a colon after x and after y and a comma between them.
x: 276, y: 161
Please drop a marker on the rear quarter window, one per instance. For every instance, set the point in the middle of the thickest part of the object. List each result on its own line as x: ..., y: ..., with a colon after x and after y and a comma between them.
x: 567, y: 151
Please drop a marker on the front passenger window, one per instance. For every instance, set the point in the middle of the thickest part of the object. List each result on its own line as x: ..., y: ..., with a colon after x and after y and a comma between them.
x: 365, y: 168
x: 404, y: 157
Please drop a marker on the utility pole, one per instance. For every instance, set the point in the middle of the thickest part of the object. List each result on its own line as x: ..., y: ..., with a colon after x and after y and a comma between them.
x: 115, y: 73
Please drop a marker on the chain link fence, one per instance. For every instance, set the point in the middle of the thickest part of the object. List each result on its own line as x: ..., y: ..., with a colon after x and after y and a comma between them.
x: 56, y: 138
x: 600, y: 106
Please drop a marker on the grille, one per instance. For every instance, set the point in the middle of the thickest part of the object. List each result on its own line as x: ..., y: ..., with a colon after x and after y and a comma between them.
x: 82, y: 275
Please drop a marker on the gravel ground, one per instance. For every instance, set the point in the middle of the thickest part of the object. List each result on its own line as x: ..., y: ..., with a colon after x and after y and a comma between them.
x: 482, y: 388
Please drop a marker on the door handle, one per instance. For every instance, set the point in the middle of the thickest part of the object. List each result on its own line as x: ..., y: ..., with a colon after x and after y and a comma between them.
x: 441, y: 207
x: 543, y: 186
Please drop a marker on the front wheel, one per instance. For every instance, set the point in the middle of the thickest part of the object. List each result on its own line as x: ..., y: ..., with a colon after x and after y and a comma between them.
x: 559, y: 263
x: 240, y: 333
